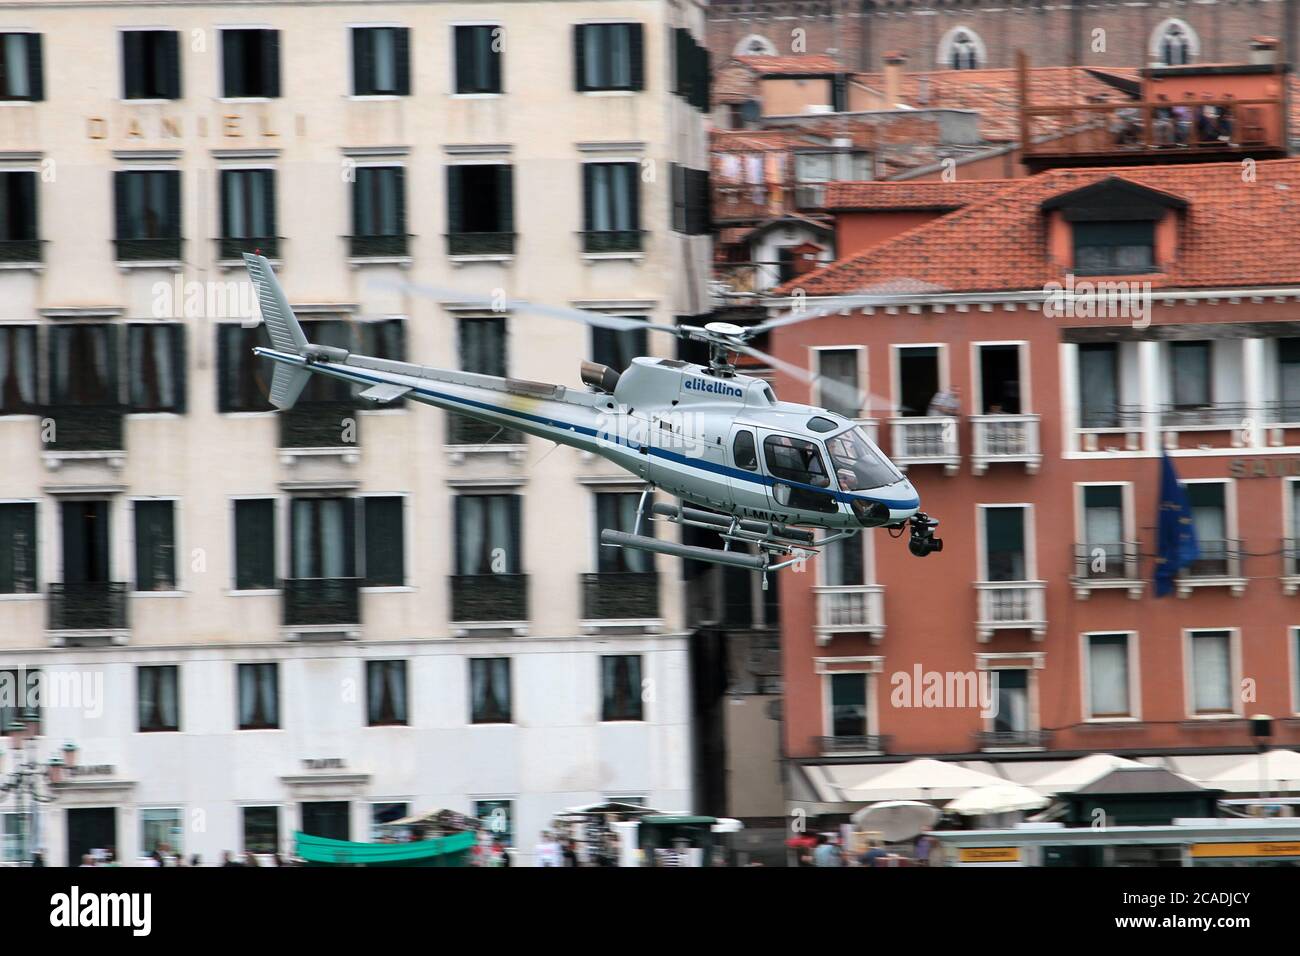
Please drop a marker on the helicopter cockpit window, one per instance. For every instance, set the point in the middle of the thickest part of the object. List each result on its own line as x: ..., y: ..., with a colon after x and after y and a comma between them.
x: 744, y: 451
x: 858, y: 465
x: 769, y: 394
x: 795, y: 459
x: 820, y: 424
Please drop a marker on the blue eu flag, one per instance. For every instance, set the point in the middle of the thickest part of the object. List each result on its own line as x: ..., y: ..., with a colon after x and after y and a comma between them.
x: 1176, y: 544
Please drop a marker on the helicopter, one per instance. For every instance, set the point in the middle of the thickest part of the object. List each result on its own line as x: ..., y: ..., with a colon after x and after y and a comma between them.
x: 782, y: 478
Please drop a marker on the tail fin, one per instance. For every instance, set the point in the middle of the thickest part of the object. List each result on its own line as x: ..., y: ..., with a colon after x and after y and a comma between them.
x: 282, y: 327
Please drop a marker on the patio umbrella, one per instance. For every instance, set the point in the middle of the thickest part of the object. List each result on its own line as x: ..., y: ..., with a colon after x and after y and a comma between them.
x: 1079, y: 773
x: 920, y: 779
x: 997, y: 798
x: 1276, y: 771
x: 897, y: 820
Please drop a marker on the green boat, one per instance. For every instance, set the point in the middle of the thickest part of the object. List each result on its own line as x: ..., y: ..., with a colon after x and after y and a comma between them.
x: 453, y: 850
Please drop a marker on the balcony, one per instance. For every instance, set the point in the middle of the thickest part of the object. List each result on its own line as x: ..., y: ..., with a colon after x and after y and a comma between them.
x: 313, y: 428
x: 747, y: 279
x: 1225, y: 418
x: 1013, y: 739
x: 90, y: 612
x: 489, y: 601
x: 1011, y: 605
x: 20, y: 250
x: 322, y: 606
x: 1100, y: 426
x: 609, y: 242
x: 496, y: 245
x: 1004, y: 438
x: 149, y: 250
x: 1100, y: 566
x: 925, y: 441
x: 1218, y: 566
x: 850, y: 609
x: 845, y: 746
x: 611, y: 598
x: 378, y: 247
x: 232, y: 249
x: 82, y: 433
x: 463, y: 430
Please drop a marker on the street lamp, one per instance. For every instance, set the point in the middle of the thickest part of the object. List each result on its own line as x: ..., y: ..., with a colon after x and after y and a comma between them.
x: 31, y: 780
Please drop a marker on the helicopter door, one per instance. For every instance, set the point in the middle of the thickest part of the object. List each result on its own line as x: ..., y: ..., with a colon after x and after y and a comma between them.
x: 801, y: 480
x: 688, y: 462
x: 748, y: 489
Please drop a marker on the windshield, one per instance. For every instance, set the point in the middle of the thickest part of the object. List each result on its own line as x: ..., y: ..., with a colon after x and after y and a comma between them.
x: 858, y: 464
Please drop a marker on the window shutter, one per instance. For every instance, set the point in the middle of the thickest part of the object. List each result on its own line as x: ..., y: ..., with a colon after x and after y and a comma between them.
x: 362, y: 62
x: 458, y: 525
x: 454, y: 175
x: 399, y: 190
x: 705, y: 73
x: 179, y: 375
x: 634, y: 193
x: 171, y: 54
x: 231, y: 59
x: 384, y: 544
x: 636, y: 45
x: 271, y: 62
x: 402, y: 52
x: 23, y: 226
x: 133, y: 64
x: 255, y: 534
x: 173, y: 181
x: 360, y: 192
x: 514, y: 560
x: 465, y: 60
x: 35, y: 68
x: 494, y: 59
x: 267, y: 178
x: 588, y: 195
x: 579, y: 59
x: 505, y: 199
x: 680, y: 63
x: 120, y: 212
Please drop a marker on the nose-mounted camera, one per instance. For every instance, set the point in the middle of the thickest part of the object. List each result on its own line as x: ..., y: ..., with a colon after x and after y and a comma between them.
x: 923, y: 541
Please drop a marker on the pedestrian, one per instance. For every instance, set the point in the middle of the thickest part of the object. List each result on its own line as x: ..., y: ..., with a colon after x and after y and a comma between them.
x: 827, y: 852
x: 547, y: 851
x: 946, y: 403
x: 228, y: 858
x: 570, y: 853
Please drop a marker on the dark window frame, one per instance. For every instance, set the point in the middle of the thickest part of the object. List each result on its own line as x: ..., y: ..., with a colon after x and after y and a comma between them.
x: 259, y: 720
x: 266, y: 540
x: 155, y: 722
x: 365, y: 80
x: 475, y: 78
x: 627, y: 705
x: 151, y: 565
x: 387, y: 711
x: 150, y: 64
x: 267, y: 77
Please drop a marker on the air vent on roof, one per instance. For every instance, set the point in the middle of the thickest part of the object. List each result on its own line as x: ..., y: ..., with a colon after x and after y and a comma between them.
x: 673, y: 363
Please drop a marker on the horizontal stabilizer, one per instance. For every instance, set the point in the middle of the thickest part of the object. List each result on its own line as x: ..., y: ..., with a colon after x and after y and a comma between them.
x: 736, y: 559
x: 385, y: 392
x: 287, y: 384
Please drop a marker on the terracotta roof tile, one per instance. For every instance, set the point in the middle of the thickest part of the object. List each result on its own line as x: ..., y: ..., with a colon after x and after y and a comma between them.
x: 792, y: 65
x: 910, y: 195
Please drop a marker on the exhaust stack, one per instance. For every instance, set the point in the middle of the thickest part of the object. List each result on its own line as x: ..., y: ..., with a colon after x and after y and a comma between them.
x: 600, y: 377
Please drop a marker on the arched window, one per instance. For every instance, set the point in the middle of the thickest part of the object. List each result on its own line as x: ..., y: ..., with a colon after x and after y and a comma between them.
x: 1174, y: 43
x: 961, y: 49
x: 755, y: 45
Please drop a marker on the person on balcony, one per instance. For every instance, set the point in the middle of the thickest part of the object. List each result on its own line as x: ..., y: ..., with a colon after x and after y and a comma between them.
x: 946, y: 403
x: 1183, y: 122
x: 1162, y: 123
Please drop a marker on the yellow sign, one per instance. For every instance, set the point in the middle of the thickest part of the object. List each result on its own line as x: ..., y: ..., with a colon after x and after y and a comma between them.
x: 989, y: 854
x: 1209, y: 850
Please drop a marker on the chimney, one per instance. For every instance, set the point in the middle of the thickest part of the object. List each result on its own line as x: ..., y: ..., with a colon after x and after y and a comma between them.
x: 1263, y: 50
x: 894, y: 60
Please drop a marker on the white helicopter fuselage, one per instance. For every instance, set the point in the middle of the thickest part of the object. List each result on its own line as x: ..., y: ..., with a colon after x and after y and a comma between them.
x: 723, y: 442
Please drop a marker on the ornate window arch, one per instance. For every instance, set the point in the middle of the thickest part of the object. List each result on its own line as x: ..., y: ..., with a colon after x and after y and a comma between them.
x: 1174, y: 43
x: 755, y: 45
x: 961, y: 49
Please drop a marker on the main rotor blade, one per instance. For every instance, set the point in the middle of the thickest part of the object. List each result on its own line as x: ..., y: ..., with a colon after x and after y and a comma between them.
x: 846, y: 303
x: 841, y: 394
x: 497, y: 304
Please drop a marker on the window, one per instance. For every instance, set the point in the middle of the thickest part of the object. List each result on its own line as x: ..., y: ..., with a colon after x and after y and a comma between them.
x: 328, y: 818
x: 1288, y: 380
x: 17, y: 369
x: 336, y: 333
x: 16, y: 828
x: 19, y: 240
x: 692, y: 209
x: 148, y: 206
x: 385, y: 693
x: 1174, y: 45
x: 478, y: 59
x: 1210, y: 519
x: 487, y: 534
x: 321, y: 535
x: 86, y: 532
x: 248, y: 213
x: 1108, y: 676
x: 617, y: 510
x: 158, y: 697
x: 381, y: 61
x: 480, y: 210
x: 484, y: 349
x: 617, y: 347
x: 261, y: 826
x: 83, y: 364
x: 1104, y: 532
x: 379, y: 211
x: 259, y: 696
x: 18, y: 548
x: 250, y: 64
x: 156, y: 366
x: 691, y: 75
x: 964, y: 54
x: 161, y: 832
x: 858, y: 465
x: 155, y: 546
x: 1102, y: 248
x: 498, y: 818
x: 798, y: 460
x: 243, y: 379
x: 489, y: 680
x: 848, y: 705
x: 999, y: 367
x: 824, y: 167
x: 20, y: 697
x: 382, y: 525
x: 844, y: 563
x: 1189, y: 375
x: 620, y: 687
x: 611, y: 207
x: 918, y: 379
x: 1099, y: 385
x: 744, y: 452
x: 838, y: 388
x: 255, y: 535
x: 21, y: 76
x: 1211, y: 672
x: 608, y: 56
x: 1012, y: 718
x: 384, y: 814
x: 151, y: 66
x: 1005, y: 558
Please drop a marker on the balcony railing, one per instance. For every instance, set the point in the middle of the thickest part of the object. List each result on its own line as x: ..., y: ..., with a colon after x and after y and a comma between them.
x: 20, y: 250
x: 378, y: 247
x: 233, y: 248
x: 1108, y: 417
x: 479, y: 598
x: 463, y: 430
x: 1220, y: 558
x: 481, y: 243
x: 1109, y: 561
x: 313, y: 424
x: 1218, y: 415
x: 1010, y: 739
x: 850, y: 609
x: 925, y: 441
x: 94, y: 606
x: 1011, y: 605
x: 612, y: 240
x: 1004, y: 438
x: 148, y: 250
x: 865, y: 744
x: 747, y: 278
x: 1291, y: 565
x: 311, y: 602
x: 620, y: 595
x: 84, y: 428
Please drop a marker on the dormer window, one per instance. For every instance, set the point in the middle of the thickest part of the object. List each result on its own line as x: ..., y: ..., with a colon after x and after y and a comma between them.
x: 1114, y: 248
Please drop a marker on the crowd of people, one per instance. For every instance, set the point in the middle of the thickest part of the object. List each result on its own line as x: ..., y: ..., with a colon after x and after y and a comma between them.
x: 1184, y: 123
x: 828, y: 851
